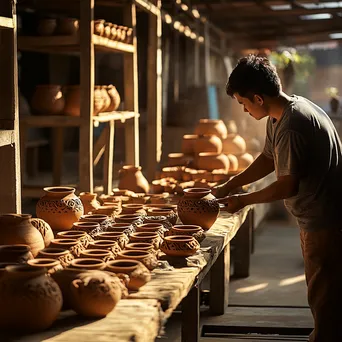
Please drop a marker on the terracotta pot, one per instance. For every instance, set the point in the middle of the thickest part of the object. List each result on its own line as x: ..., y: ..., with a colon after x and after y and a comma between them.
x: 208, y: 143
x: 148, y: 259
x: 119, y: 237
x: 88, y: 264
x: 163, y: 220
x: 188, y: 143
x: 100, y: 254
x: 107, y: 32
x: 48, y: 100
x: 106, y: 99
x: 177, y: 159
x: 110, y: 199
x: 199, y: 207
x: 67, y: 26
x: 62, y: 255
x: 161, y: 198
x: 99, y: 27
x: 167, y: 206
x: 209, y: 126
x: 233, y: 162
x: 109, y: 210
x: 72, y: 101
x: 99, y: 101
x: 44, y: 229
x: 50, y: 265
x: 59, y: 207
x: 132, y: 219
x: 191, y: 230
x: 211, y: 161
x: 89, y: 201
x: 46, y: 26
x: 131, y: 178
x: 123, y: 30
x: 92, y: 218
x: 180, y: 245
x: 234, y: 144
x: 153, y: 238
x: 114, y: 98
x: 78, y: 235
x: 112, y: 246
x: 151, y: 228
x: 129, y: 36
x: 125, y: 228
x: 141, y: 246
x: 73, y: 245
x: 15, y: 254
x: 30, y: 300
x: 168, y: 213
x: 137, y: 209
x: 90, y: 228
x: 138, y: 274
x: 17, y: 229
x: 245, y: 160
x: 175, y: 172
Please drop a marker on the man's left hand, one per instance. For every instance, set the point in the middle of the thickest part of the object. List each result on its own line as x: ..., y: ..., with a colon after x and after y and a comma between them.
x: 232, y: 203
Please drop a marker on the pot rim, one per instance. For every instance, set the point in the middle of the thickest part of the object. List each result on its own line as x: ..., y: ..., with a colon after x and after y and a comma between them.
x: 86, y: 262
x: 186, y: 226
x: 16, y: 248
x: 59, y: 189
x: 201, y: 191
x: 179, y: 238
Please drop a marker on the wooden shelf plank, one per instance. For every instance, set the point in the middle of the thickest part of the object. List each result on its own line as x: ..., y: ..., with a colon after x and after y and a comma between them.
x: 60, y: 44
x: 6, y: 23
x: 116, y: 116
x: 51, y: 121
x: 6, y: 137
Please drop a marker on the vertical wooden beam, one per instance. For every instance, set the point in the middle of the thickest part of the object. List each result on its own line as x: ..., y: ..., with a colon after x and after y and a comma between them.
x: 207, y: 54
x: 108, y: 159
x: 176, y: 68
x: 131, y: 91
x: 154, y: 91
x: 166, y: 77
x: 191, y: 316
x: 197, y: 64
x: 87, y: 61
x: 57, y: 147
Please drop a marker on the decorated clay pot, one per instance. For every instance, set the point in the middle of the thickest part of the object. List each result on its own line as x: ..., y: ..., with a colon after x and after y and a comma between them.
x: 94, y: 218
x: 78, y: 235
x: 73, y: 245
x: 192, y: 230
x: 177, y: 159
x: 72, y: 100
x: 233, y: 162
x: 180, y: 245
x: 114, y: 98
x: 132, y: 219
x: 245, y: 160
x: 67, y: 26
x: 59, y: 207
x: 151, y: 228
x: 188, y: 144
x: 131, y: 178
x: 125, y: 228
x: 137, y: 209
x: 17, y: 229
x: 44, y: 229
x: 208, y: 143
x: 99, y: 27
x: 87, y: 227
x: 88, y: 264
x: 141, y: 246
x: 121, y: 238
x: 109, y: 210
x: 99, y: 101
x: 199, y: 207
x: 64, y: 256
x: 51, y: 265
x: 138, y: 274
x: 211, y: 161
x: 109, y: 245
x: 15, y: 253
x: 210, y: 126
x: 100, y: 254
x: 160, y: 219
x: 106, y: 99
x: 168, y: 213
x: 148, y: 259
x: 30, y: 300
x: 234, y: 144
x: 48, y: 100
x: 153, y: 238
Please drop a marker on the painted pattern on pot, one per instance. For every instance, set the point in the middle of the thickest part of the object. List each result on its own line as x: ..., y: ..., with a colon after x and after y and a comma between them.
x: 64, y: 256
x: 44, y: 229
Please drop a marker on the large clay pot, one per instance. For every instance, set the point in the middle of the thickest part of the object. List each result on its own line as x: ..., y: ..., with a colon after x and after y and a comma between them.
x: 131, y: 178
x: 59, y: 207
x: 198, y: 207
x: 212, y: 161
x: 114, y: 98
x: 208, y: 143
x: 234, y: 144
x: 51, y: 265
x: 233, y: 162
x: 30, y: 300
x: 150, y: 237
x: 72, y: 101
x: 188, y: 143
x: 17, y: 229
x: 210, y: 126
x: 245, y: 160
x: 89, y: 201
x: 141, y: 246
x: 44, y: 229
x: 180, y: 245
x: 48, y: 100
x: 15, y: 253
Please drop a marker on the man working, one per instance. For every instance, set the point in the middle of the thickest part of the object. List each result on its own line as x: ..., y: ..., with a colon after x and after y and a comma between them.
x: 304, y: 150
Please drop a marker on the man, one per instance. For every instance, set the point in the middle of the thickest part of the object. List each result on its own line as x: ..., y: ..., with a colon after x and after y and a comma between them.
x: 304, y: 150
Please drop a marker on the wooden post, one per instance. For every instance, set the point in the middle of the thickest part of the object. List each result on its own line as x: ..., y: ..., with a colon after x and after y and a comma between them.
x: 108, y: 159
x: 175, y: 67
x: 219, y: 282
x: 87, y: 62
x: 197, y: 63
x: 58, y: 147
x: 191, y: 316
x: 207, y: 54
x: 131, y: 91
x: 154, y: 100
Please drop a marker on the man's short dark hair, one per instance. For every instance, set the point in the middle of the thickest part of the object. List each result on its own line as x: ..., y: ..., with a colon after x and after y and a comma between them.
x: 254, y: 75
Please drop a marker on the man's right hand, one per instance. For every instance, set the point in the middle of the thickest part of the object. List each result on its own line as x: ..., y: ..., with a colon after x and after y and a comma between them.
x: 222, y: 190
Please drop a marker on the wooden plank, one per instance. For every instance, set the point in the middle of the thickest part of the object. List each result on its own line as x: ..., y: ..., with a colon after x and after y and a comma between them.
x: 154, y: 94
x: 100, y: 145
x: 6, y: 137
x: 197, y: 58
x: 57, y: 152
x: 51, y: 121
x: 87, y: 61
x: 109, y: 160
x: 117, y: 116
x: 148, y: 6
x: 191, y: 316
x: 6, y: 23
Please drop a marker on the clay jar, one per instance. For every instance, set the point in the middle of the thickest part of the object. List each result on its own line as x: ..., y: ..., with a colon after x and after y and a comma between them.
x: 148, y: 259
x: 88, y: 264
x: 17, y: 229
x: 48, y: 100
x: 208, y: 143
x: 177, y: 159
x: 94, y: 218
x: 67, y: 26
x: 30, y: 300
x: 109, y: 210
x: 87, y: 227
x: 137, y: 209
x: 131, y: 178
x: 141, y: 246
x: 209, y: 126
x: 72, y: 101
x: 188, y: 144
x: 44, y: 229
x: 180, y: 245
x: 109, y: 245
x: 120, y: 238
x: 168, y: 213
x: 100, y: 254
x: 138, y: 274
x: 15, y: 253
x: 51, y: 265
x: 73, y: 245
x: 78, y: 235
x: 62, y: 255
x: 99, y: 27
x: 211, y: 161
x: 114, y: 98
x: 125, y: 228
x: 192, y: 230
x: 234, y: 144
x: 89, y: 201
x: 59, y: 207
x: 153, y: 238
x: 151, y: 228
x: 199, y: 207
x: 132, y: 219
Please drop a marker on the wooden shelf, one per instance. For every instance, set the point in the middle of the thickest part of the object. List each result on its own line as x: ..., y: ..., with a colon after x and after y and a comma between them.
x: 116, y: 116
x: 6, y: 137
x: 6, y: 23
x: 67, y: 44
x: 51, y: 121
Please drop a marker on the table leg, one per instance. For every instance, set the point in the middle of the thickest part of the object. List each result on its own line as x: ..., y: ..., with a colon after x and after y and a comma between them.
x: 190, y: 316
x: 219, y: 283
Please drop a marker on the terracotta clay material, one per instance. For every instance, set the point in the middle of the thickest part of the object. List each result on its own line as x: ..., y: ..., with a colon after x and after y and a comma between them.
x: 15, y: 253
x: 62, y: 255
x: 153, y: 238
x: 129, y: 218
x: 188, y: 144
x: 195, y: 231
x: 137, y: 209
x: 210, y: 161
x: 211, y: 126
x: 112, y: 246
x: 121, y: 238
x: 208, y: 143
x: 88, y: 264
x: 44, y: 229
x: 142, y: 246
x: 234, y: 144
x: 89, y: 202
x: 180, y: 245
x: 48, y: 99
x: 79, y: 235
x: 131, y: 178
x: 51, y: 265
x: 168, y: 213
x: 100, y: 254
x: 148, y: 259
x: 126, y: 228
x: 151, y: 228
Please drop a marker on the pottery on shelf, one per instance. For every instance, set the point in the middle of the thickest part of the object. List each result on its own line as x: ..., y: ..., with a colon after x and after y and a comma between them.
x: 64, y: 256
x: 44, y: 229
x: 234, y: 144
x: 208, y: 143
x: 99, y: 26
x: 148, y: 259
x: 114, y: 98
x: 177, y: 159
x: 30, y: 300
x: 67, y: 26
x: 198, y: 206
x: 131, y: 178
x: 244, y: 161
x: 210, y: 126
x: 72, y: 105
x: 180, y: 245
x: 15, y: 253
x: 46, y: 26
x: 48, y: 99
x: 59, y: 207
x: 211, y: 161
x: 233, y: 162
x: 17, y: 229
x: 188, y: 144
x: 73, y: 245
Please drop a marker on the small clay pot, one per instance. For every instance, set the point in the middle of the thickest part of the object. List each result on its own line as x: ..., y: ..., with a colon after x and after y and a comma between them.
x: 187, y: 229
x: 112, y: 246
x: 114, y: 98
x: 15, y: 253
x: 142, y: 246
x: 88, y: 264
x: 51, y: 265
x: 99, y: 27
x: 180, y: 245
x: 48, y: 99
x: 151, y: 228
x: 211, y: 126
x: 148, y: 259
x: 73, y: 245
x: 132, y: 219
x: 131, y: 177
x: 98, y: 218
x: 44, y: 229
x: 62, y: 255
x: 100, y: 254
x: 46, y: 26
x: 79, y: 235
x: 153, y: 238
x: 107, y: 32
x: 168, y: 213
x: 109, y: 210
x: 125, y: 228
x: 137, y: 209
x: 67, y: 26
x: 119, y: 237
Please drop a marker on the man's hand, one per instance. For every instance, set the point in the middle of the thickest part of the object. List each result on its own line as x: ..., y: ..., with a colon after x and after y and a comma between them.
x: 220, y: 191
x: 233, y: 203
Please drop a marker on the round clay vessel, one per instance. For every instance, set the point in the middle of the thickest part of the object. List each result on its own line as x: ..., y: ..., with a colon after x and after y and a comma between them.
x: 177, y: 159
x: 106, y: 99
x: 72, y: 94
x: 188, y: 143
x: 15, y: 253
x: 188, y: 229
x: 132, y: 219
x: 98, y: 218
x: 168, y: 213
x: 67, y: 26
x: 112, y: 246
x: 88, y: 264
x: 245, y: 160
x: 44, y: 229
x: 234, y: 144
x: 131, y: 178
x: 100, y: 254
x: 17, y: 229
x: 64, y: 256
x: 198, y: 206
x: 73, y: 245
x: 51, y: 265
x: 59, y: 207
x: 99, y: 101
x: 233, y: 162
x: 108, y: 210
x: 151, y: 228
x: 180, y: 245
x: 208, y: 143
x: 46, y: 26
x: 99, y: 26
x: 121, y: 238
x: 79, y: 235
x: 114, y: 98
x: 142, y: 246
x: 126, y: 228
x: 48, y: 100
x: 154, y: 238
x: 30, y: 300
x: 211, y: 161
x: 210, y: 126
x: 163, y: 220
x: 148, y: 259
x: 138, y: 274
x: 137, y: 209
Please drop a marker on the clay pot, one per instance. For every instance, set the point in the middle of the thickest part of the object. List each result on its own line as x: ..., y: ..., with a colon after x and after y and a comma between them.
x: 44, y: 229
x: 109, y: 210
x: 73, y: 245
x: 99, y: 27
x: 50, y: 265
x: 161, y: 198
x: 114, y: 98
x: 234, y: 144
x: 67, y: 26
x: 138, y: 274
x: 120, y: 238
x: 78, y: 235
x: 175, y: 172
x: 188, y: 143
x: 17, y: 229
x: 137, y: 209
x: 62, y: 255
x: 30, y: 300
x: 151, y: 228
x: 46, y: 26
x: 106, y: 99
x: 131, y: 178
x: 148, y: 259
x: 211, y: 161
x: 167, y: 206
x: 100, y: 254
x: 48, y: 100
x: 109, y: 245
x: 125, y: 228
x: 191, y: 230
x: 160, y: 219
x: 168, y: 213
x: 233, y: 162
x: 91, y: 218
x: 153, y: 238
x: 245, y: 160
x: 72, y: 101
x: 209, y: 126
x: 180, y: 245
x: 141, y: 246
x: 208, y: 143
x: 177, y: 159
x: 87, y: 227
x: 88, y: 264
x: 59, y: 207
x: 132, y: 219
x: 15, y: 254
x: 89, y: 201
x: 107, y: 32
x: 110, y: 199
x: 99, y: 101
x: 199, y: 207
x: 129, y: 36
